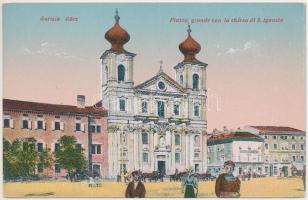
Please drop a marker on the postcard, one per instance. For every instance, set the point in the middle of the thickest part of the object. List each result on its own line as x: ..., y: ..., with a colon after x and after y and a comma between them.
x: 144, y: 99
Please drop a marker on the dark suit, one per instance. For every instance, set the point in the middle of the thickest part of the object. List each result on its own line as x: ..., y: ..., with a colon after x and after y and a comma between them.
x: 131, y: 192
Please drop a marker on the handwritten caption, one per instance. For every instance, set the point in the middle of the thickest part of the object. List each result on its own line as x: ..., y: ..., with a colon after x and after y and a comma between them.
x: 227, y: 20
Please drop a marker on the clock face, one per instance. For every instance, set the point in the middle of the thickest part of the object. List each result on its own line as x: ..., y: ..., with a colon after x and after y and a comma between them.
x: 161, y: 85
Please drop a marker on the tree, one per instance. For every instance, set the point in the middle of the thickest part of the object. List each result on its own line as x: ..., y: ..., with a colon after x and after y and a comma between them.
x: 46, y: 158
x: 7, y: 165
x: 70, y: 156
x: 20, y: 158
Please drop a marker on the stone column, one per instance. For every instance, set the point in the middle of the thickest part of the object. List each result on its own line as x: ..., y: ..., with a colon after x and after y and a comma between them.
x: 151, y: 145
x: 191, y: 149
x: 187, y: 154
x: 168, y: 138
x: 130, y: 69
x: 112, y: 67
x: 135, y: 148
x: 172, y: 144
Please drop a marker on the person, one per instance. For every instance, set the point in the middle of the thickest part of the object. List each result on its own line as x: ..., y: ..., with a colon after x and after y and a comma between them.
x: 226, y: 184
x: 126, y: 176
x: 190, y: 184
x: 135, y: 188
x: 304, y: 176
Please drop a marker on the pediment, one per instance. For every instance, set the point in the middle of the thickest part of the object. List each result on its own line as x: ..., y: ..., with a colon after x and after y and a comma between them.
x: 161, y: 83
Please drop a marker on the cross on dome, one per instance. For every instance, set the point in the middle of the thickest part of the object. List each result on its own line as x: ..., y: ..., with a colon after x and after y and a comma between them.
x: 188, y: 30
x: 160, y: 66
x: 117, y: 17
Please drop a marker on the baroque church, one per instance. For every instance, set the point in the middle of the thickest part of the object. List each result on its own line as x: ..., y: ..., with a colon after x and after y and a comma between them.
x: 159, y: 124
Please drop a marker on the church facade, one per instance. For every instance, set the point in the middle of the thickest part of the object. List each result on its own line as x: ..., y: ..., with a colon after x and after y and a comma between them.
x: 159, y: 124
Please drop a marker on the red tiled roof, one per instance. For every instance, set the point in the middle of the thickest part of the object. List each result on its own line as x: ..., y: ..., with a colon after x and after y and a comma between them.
x: 276, y: 129
x: 221, y: 136
x: 16, y: 105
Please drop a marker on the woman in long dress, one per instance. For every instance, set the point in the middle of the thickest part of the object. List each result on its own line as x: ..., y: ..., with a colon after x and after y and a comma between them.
x: 135, y: 188
x: 190, y: 184
x: 226, y: 184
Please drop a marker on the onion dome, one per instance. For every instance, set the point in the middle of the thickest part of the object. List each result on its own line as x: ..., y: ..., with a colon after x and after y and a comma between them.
x: 117, y: 36
x: 189, y: 47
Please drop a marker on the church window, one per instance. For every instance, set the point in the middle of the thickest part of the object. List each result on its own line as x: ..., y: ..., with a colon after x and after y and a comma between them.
x: 145, y: 157
x: 176, y: 109
x: 177, y: 157
x: 121, y: 73
x: 144, y: 107
x: 196, y: 110
x: 197, y: 141
x: 177, y: 140
x: 144, y: 137
x: 161, y: 85
x: 181, y: 79
x: 161, y: 108
x: 122, y: 104
x: 195, y: 81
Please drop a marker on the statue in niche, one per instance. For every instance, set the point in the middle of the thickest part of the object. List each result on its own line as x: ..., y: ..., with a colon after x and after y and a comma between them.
x: 162, y: 141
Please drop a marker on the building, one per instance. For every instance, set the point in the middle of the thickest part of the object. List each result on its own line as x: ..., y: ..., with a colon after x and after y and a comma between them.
x: 159, y: 124
x: 48, y: 122
x: 243, y: 148
x: 284, y: 148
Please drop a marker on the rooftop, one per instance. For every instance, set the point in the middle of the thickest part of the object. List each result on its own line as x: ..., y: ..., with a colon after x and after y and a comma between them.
x: 231, y: 136
x: 276, y: 129
x: 17, y: 105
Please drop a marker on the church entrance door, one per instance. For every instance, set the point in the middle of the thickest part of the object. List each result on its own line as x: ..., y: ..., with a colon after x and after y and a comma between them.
x: 161, y: 166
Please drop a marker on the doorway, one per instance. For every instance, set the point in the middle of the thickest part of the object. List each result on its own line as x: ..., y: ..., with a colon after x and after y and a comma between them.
x: 161, y: 166
x: 285, y: 170
x: 96, y: 170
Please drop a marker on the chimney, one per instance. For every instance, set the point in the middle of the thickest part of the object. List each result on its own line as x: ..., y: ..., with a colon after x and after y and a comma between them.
x: 81, y: 100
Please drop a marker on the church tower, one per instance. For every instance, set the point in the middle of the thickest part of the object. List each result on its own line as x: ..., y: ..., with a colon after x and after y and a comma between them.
x: 117, y: 72
x: 191, y: 74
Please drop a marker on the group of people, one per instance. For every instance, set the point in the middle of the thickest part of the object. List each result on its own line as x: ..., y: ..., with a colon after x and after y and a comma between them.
x: 226, y: 184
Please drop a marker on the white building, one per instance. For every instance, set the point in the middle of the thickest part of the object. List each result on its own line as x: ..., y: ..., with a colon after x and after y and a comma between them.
x: 284, y: 148
x: 243, y: 148
x: 159, y: 124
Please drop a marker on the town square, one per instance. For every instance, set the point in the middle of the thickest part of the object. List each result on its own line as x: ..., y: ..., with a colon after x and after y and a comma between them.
x: 276, y: 187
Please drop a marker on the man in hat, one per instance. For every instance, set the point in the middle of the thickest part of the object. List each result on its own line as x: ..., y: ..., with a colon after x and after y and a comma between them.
x: 190, y: 184
x: 226, y: 184
x: 135, y: 188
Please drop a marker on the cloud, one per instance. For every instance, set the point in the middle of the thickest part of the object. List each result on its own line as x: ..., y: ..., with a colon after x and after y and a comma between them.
x: 249, y: 45
x: 50, y: 50
x: 27, y: 51
x: 231, y: 51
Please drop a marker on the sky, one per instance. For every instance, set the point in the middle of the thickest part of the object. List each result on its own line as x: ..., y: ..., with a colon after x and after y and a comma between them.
x: 255, y: 73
